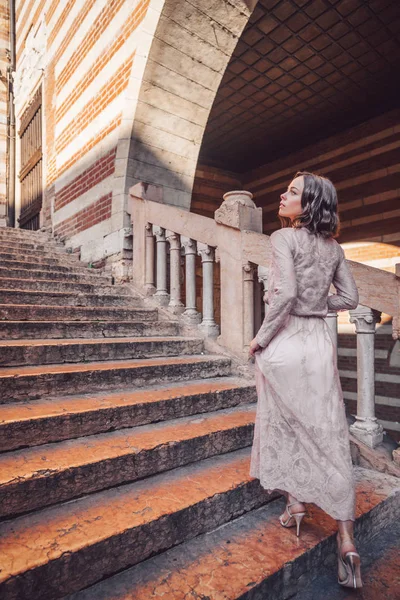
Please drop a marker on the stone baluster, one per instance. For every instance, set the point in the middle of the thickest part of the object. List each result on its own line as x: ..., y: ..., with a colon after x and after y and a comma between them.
x: 263, y: 275
x: 208, y: 324
x: 161, y: 294
x: 332, y: 322
x: 149, y: 282
x: 175, y: 303
x: 248, y: 303
x: 191, y: 313
x: 366, y: 427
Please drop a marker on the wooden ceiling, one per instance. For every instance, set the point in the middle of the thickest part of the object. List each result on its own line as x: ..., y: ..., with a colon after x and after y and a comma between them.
x: 303, y: 70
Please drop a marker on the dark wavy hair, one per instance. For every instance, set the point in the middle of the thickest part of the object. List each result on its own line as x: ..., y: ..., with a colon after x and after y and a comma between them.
x: 320, y: 207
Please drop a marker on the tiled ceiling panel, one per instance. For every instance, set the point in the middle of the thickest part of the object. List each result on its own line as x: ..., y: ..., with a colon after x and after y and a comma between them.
x: 301, y: 71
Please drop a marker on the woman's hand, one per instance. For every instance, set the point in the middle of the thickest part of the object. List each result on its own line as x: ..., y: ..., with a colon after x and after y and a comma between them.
x: 254, y: 347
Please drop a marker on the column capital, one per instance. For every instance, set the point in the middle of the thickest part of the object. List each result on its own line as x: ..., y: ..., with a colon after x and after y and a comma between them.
x: 189, y: 245
x: 206, y: 252
x: 365, y: 318
x: 248, y: 271
x: 159, y: 232
x: 173, y: 239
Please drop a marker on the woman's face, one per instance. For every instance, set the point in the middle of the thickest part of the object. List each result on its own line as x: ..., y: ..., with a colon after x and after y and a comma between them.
x: 290, y: 205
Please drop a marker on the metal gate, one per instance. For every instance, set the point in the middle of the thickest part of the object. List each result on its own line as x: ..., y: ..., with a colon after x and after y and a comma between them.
x: 30, y: 175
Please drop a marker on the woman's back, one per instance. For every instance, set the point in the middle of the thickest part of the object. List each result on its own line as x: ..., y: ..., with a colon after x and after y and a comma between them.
x: 310, y: 263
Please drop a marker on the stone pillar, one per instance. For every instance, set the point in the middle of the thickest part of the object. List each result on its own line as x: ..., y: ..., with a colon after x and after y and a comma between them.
x: 149, y: 282
x: 366, y: 427
x: 161, y: 294
x: 248, y: 303
x: 208, y: 325
x: 175, y: 303
x: 332, y: 322
x: 236, y: 214
x: 191, y: 313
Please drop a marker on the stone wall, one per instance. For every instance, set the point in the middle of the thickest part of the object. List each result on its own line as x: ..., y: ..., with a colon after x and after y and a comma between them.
x: 127, y: 89
x: 4, y: 63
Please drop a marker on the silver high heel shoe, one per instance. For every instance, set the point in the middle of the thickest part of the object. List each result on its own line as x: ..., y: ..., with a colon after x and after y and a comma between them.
x: 349, y: 571
x: 294, y: 518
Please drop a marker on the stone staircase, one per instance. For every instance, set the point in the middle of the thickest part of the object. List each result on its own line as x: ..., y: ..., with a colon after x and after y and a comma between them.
x: 124, y: 465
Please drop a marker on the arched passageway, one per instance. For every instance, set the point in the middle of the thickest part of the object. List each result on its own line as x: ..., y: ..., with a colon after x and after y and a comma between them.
x: 310, y: 85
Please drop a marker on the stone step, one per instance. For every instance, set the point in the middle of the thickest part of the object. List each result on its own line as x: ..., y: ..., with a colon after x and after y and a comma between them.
x: 90, y: 276
x: 37, y: 477
x: 29, y: 383
x: 34, y: 312
x: 45, y: 265
x: 50, y: 285
x: 17, y: 330
x: 51, y: 420
x: 254, y: 557
x: 10, y: 233
x: 380, y: 566
x: 54, y: 298
x: 34, y: 248
x: 49, y: 257
x: 73, y: 545
x: 51, y: 352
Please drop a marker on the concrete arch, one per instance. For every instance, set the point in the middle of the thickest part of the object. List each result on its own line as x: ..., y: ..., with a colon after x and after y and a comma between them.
x: 184, y: 49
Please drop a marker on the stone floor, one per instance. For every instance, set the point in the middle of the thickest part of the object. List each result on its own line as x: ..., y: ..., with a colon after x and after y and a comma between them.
x: 380, y: 571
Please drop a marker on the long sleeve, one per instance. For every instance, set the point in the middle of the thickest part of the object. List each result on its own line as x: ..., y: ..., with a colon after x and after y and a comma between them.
x: 346, y: 296
x: 284, y: 291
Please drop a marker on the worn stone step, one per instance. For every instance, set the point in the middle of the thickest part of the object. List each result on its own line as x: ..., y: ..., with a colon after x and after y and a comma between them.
x: 37, y: 477
x: 50, y: 285
x: 90, y: 276
x: 16, y: 330
x: 47, y: 257
x: 35, y: 248
x: 51, y: 352
x: 35, y: 312
x: 254, y: 557
x: 55, y: 419
x: 10, y: 233
x: 55, y: 298
x: 45, y: 265
x: 73, y: 545
x: 24, y: 383
x: 380, y: 571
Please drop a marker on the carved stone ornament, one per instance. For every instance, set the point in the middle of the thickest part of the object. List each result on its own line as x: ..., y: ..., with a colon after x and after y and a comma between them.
x: 33, y: 63
x: 365, y: 319
x: 239, y: 211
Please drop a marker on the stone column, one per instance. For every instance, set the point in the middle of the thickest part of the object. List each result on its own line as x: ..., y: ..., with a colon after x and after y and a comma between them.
x: 248, y: 303
x: 149, y: 282
x: 332, y: 322
x: 208, y: 325
x: 366, y: 427
x: 175, y: 303
x: 263, y: 275
x: 191, y: 313
x: 161, y: 294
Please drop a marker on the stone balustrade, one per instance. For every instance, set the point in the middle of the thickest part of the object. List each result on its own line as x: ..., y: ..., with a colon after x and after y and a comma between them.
x: 234, y: 239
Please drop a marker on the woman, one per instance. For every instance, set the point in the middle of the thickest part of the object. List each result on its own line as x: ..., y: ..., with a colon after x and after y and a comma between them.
x: 301, y: 442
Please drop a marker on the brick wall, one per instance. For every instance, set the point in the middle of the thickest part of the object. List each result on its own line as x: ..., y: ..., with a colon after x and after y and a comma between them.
x: 363, y: 163
x: 84, y: 219
x: 89, y: 50
x: 210, y: 185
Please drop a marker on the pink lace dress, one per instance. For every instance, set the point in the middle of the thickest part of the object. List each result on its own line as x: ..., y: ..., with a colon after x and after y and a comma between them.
x: 301, y: 440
